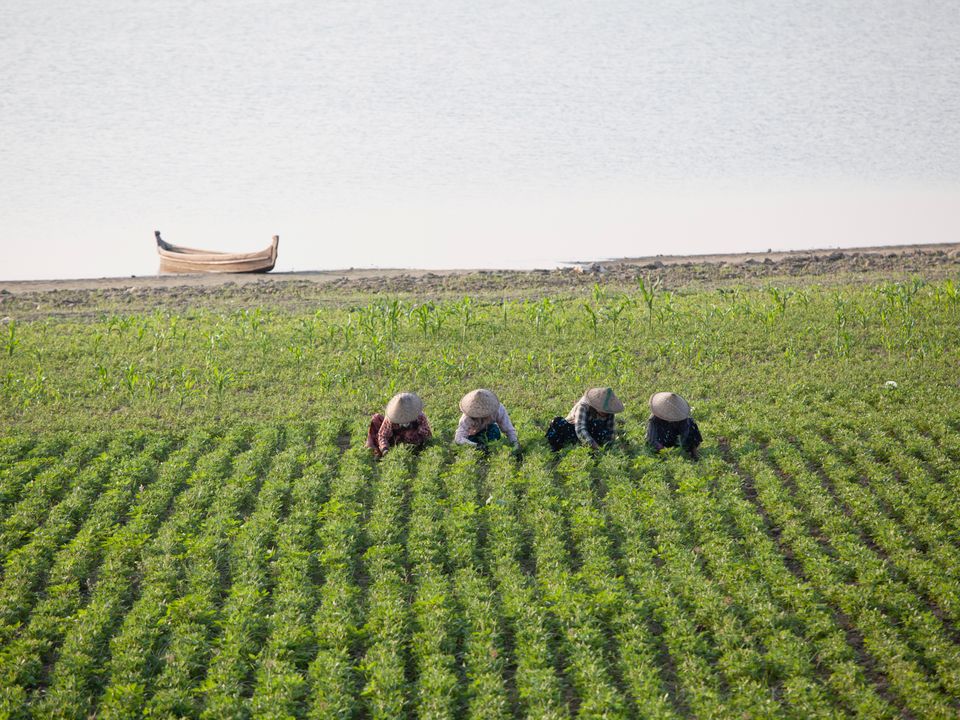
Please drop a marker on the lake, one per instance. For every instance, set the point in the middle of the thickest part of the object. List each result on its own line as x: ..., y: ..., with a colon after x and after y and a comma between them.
x: 456, y: 134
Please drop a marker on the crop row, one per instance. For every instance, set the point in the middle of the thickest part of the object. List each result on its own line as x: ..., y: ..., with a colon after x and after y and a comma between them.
x: 584, y: 484
x: 858, y: 582
x: 241, y: 624
x: 135, y: 648
x: 540, y: 684
x: 479, y: 623
x: 272, y: 573
x: 581, y: 612
x: 58, y: 545
x: 77, y: 676
x: 809, y: 648
x: 25, y: 459
x: 337, y: 623
x: 433, y: 635
x: 39, y: 494
x: 916, y: 486
x: 280, y: 684
x: 192, y: 617
x: 27, y: 655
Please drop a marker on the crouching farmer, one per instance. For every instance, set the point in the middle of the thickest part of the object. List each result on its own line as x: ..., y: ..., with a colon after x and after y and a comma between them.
x: 484, y: 420
x: 671, y: 424
x: 590, y: 421
x: 403, y: 421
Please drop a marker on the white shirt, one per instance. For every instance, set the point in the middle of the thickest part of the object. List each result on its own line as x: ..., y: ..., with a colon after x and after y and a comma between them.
x: 470, y: 426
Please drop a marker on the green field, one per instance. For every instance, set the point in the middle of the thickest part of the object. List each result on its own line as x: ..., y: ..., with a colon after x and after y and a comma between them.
x: 190, y: 526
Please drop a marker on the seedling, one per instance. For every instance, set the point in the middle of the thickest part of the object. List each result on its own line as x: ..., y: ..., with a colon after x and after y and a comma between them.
x: 11, y: 341
x: 648, y: 293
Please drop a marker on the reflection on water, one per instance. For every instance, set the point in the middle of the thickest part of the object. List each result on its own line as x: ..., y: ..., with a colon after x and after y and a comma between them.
x: 446, y: 134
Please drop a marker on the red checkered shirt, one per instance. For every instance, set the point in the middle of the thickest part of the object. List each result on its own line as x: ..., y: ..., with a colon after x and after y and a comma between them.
x: 415, y: 433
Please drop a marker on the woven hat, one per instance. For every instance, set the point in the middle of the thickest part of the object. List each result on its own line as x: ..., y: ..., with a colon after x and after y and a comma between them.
x: 603, y: 400
x: 479, y: 404
x: 669, y: 406
x: 404, y: 408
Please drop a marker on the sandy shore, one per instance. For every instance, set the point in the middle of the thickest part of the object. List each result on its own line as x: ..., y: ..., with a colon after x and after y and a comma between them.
x: 375, y: 276
x: 303, y: 291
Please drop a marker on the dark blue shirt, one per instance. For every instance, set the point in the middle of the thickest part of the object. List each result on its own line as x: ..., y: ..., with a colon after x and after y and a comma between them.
x: 661, y: 433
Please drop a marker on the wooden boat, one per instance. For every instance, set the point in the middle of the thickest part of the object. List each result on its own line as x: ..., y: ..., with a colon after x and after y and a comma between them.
x: 177, y: 259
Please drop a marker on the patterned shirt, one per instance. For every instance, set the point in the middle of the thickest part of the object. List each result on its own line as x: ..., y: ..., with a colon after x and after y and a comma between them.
x: 471, y: 426
x: 580, y: 414
x: 415, y: 433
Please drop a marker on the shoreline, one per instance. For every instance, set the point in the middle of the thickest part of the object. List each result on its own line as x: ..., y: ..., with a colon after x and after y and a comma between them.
x: 779, y: 255
x: 948, y: 251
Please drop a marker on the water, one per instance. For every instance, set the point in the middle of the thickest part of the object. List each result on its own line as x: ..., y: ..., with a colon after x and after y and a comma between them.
x: 455, y: 134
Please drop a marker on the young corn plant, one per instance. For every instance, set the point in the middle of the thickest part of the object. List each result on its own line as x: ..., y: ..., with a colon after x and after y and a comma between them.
x: 11, y: 341
x: 781, y: 297
x: 648, y: 293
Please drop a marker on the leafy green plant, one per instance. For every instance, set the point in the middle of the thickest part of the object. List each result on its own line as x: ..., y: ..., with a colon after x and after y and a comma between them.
x: 592, y: 318
x: 220, y: 378
x: 648, y: 293
x: 781, y: 297
x: 11, y: 341
x: 131, y: 378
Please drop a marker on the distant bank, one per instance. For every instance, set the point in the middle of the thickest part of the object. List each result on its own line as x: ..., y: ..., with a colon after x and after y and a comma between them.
x: 776, y: 256
x: 872, y: 257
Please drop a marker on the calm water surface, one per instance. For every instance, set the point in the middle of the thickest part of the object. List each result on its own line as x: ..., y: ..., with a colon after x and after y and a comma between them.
x: 495, y: 134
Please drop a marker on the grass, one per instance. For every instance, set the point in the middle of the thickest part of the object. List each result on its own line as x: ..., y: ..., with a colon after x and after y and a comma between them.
x: 191, y: 526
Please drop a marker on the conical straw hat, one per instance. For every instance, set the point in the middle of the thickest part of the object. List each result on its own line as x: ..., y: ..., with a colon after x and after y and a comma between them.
x: 669, y: 406
x: 404, y: 408
x: 479, y: 404
x: 603, y: 399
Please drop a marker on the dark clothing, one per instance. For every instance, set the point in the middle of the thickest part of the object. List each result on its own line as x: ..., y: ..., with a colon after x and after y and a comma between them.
x: 488, y: 434
x: 586, y: 420
x: 685, y: 433
x: 563, y: 432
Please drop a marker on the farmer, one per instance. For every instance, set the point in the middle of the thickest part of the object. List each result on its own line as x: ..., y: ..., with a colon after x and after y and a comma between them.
x: 402, y: 422
x: 590, y: 421
x: 670, y: 424
x: 484, y: 420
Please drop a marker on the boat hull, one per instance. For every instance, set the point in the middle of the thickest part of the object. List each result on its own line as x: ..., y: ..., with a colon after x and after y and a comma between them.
x: 177, y: 259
